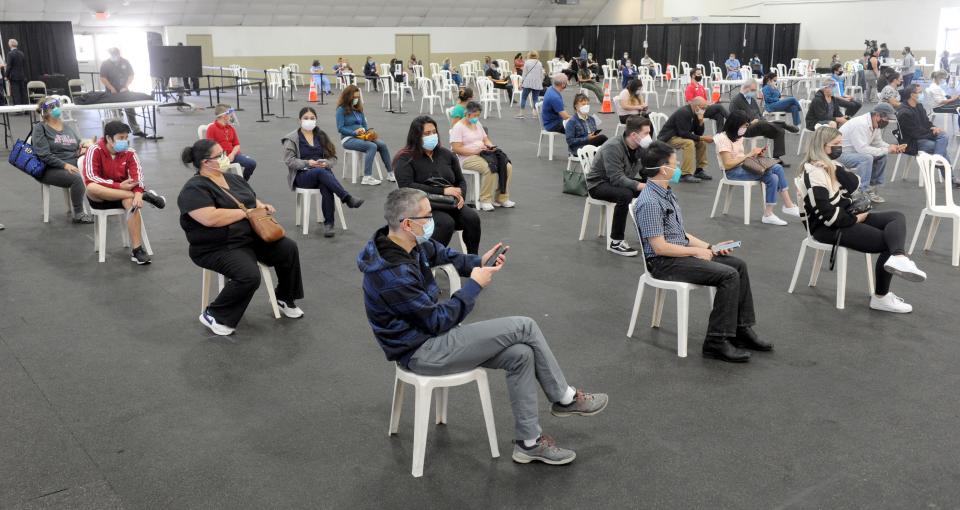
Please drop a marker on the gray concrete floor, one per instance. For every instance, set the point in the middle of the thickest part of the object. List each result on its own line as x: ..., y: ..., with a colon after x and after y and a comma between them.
x: 114, y: 396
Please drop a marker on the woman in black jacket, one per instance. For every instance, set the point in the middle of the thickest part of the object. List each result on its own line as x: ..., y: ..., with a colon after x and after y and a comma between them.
x: 827, y: 203
x: 425, y: 165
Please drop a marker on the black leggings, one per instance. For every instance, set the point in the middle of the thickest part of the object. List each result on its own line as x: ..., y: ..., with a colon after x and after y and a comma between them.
x: 620, y: 196
x: 446, y: 223
x: 239, y: 265
x: 882, y: 232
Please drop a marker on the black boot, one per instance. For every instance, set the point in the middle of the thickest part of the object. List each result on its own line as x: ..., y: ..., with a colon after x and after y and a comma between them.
x: 720, y: 348
x: 791, y: 128
x: 352, y: 202
x: 747, y: 339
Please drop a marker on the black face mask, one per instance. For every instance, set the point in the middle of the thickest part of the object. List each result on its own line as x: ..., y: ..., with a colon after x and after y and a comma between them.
x: 835, y: 152
x: 883, y: 123
x: 697, y: 78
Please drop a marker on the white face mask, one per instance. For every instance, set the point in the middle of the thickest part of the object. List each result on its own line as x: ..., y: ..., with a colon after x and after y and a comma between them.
x: 646, y: 141
x: 742, y: 131
x: 308, y: 124
x: 584, y: 109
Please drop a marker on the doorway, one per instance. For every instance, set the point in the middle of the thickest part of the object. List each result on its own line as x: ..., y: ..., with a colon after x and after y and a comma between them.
x: 415, y: 44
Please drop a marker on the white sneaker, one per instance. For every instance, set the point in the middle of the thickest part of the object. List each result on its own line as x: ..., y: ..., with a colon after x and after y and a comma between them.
x: 903, y: 267
x: 506, y: 204
x: 791, y: 211
x: 622, y: 248
x: 390, y: 177
x: 218, y: 329
x: 370, y: 180
x: 890, y: 303
x: 486, y: 206
x: 294, y: 312
x: 772, y: 219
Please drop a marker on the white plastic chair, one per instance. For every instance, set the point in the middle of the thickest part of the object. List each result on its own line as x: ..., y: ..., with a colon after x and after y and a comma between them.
x: 658, y: 120
x: 100, y: 217
x: 647, y: 90
x: 675, y: 88
x: 516, y: 82
x: 428, y: 93
x: 906, y: 168
x: 618, y: 113
x: 453, y: 278
x: 488, y: 96
x: 746, y: 186
x: 609, y: 76
x: 804, y: 106
x: 683, y: 305
x: 823, y: 250
x: 45, y: 199
x: 206, y: 280
x: 354, y: 159
x: 424, y: 386
x: 949, y: 209
x: 549, y: 134
x: 586, y: 155
x: 303, y: 208
x: 202, y: 131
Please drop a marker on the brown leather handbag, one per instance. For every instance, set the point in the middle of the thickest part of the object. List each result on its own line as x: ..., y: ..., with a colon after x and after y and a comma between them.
x: 261, y: 221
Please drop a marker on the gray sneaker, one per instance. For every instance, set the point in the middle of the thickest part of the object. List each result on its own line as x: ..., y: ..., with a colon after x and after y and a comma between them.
x: 546, y: 451
x: 875, y: 197
x: 584, y: 404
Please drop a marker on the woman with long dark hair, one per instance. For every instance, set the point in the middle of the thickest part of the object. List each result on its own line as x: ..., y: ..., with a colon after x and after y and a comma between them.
x: 222, y: 240
x: 425, y: 165
x: 310, y: 158
x: 352, y: 125
x: 729, y: 144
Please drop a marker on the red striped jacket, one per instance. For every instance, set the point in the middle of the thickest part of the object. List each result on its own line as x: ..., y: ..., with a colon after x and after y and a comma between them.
x: 102, y: 168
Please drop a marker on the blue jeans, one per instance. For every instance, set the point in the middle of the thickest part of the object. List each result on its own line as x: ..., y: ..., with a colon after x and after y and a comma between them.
x: 323, y: 83
x: 369, y: 150
x: 773, y: 179
x: 247, y: 163
x: 523, y: 96
x: 869, y: 169
x: 787, y: 104
x: 938, y: 146
x: 323, y: 180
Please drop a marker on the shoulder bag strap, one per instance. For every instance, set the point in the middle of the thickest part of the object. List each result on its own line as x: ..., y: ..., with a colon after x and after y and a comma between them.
x: 239, y: 203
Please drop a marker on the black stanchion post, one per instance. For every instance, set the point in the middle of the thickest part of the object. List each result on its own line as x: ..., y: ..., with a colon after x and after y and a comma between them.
x: 283, y: 83
x: 218, y: 94
x: 209, y: 91
x: 267, y: 97
x: 260, y: 89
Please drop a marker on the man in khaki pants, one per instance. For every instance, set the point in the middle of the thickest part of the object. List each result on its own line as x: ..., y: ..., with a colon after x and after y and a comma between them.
x: 684, y: 132
x: 469, y: 141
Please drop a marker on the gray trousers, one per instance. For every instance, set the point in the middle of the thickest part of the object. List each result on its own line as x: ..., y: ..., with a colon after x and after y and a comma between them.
x: 62, y: 178
x: 132, y: 119
x: 514, y: 344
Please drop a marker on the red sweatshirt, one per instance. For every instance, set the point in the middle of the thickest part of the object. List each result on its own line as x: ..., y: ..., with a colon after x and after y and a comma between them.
x: 225, y: 136
x: 100, y: 167
x: 695, y: 89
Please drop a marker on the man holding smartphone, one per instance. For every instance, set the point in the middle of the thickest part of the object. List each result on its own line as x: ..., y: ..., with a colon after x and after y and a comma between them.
x: 424, y: 335
x: 673, y: 254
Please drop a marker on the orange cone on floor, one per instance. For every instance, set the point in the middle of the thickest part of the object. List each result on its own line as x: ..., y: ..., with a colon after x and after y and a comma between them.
x: 607, y: 105
x: 715, y: 95
x: 669, y: 74
x: 313, y: 92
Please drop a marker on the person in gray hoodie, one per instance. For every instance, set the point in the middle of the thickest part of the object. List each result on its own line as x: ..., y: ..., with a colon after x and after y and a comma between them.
x: 310, y: 158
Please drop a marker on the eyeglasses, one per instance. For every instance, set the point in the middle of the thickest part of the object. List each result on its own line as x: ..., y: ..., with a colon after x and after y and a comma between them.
x: 429, y: 217
x: 218, y: 156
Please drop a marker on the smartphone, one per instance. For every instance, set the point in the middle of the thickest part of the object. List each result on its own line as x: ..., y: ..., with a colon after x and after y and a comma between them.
x: 492, y: 261
x: 717, y: 248
x: 597, y: 132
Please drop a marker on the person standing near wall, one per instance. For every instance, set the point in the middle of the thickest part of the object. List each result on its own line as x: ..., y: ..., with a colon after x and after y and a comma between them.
x: 17, y: 73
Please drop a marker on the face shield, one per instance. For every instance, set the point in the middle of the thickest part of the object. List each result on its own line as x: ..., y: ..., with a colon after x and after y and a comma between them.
x: 230, y: 115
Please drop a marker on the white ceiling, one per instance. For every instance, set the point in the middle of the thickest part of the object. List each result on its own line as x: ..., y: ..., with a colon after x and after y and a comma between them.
x: 381, y: 13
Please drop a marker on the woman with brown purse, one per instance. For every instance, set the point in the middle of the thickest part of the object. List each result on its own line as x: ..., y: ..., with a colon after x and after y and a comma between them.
x: 217, y: 211
x: 356, y: 136
x: 739, y: 166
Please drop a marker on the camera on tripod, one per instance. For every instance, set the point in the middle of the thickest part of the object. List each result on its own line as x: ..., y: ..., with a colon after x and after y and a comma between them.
x: 870, y: 45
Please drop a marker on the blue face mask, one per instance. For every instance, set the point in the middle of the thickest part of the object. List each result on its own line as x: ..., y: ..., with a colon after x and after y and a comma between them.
x: 55, y: 112
x: 675, y: 178
x: 474, y: 120
x: 427, y: 231
x: 121, y: 145
x: 430, y: 142
x: 750, y: 95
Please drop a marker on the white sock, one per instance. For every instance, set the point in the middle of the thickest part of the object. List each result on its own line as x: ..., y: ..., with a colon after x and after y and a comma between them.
x: 568, y: 396
x: 529, y: 443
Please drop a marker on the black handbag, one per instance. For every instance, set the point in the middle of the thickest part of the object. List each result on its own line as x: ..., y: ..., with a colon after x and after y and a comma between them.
x: 441, y: 202
x: 859, y: 203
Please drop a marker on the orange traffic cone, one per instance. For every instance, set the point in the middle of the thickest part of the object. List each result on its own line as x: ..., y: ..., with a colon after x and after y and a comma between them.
x: 715, y: 95
x: 607, y: 106
x: 669, y: 74
x: 313, y: 92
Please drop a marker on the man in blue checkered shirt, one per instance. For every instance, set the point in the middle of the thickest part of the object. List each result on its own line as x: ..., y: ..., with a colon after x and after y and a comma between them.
x: 675, y: 255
